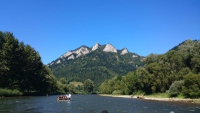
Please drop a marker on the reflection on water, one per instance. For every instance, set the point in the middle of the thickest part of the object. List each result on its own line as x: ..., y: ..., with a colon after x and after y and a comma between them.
x: 92, y: 104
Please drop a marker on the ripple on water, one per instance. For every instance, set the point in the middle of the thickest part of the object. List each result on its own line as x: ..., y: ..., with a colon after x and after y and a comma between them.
x: 192, y: 110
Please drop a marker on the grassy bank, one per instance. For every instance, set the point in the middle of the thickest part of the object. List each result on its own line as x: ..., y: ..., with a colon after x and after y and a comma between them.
x: 9, y: 92
x: 163, y: 95
x: 167, y: 97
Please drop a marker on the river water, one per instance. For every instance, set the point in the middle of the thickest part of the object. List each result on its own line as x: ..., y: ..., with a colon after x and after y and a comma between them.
x: 92, y: 104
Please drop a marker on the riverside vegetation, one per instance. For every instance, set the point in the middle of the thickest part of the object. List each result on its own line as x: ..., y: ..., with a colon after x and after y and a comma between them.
x: 175, y: 73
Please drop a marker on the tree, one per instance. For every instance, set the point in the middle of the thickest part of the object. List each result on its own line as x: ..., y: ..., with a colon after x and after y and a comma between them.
x: 8, y: 60
x: 145, y: 80
x: 63, y: 80
x: 175, y: 64
x: 176, y: 88
x: 131, y: 83
x: 49, y: 83
x: 195, y: 64
x: 88, y: 86
x: 105, y: 87
x: 191, y: 87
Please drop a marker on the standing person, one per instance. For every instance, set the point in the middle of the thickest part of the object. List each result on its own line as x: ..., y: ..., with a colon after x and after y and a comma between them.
x: 70, y: 96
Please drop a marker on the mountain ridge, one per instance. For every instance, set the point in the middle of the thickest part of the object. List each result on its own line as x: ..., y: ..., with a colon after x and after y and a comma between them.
x: 83, y: 50
x: 98, y: 63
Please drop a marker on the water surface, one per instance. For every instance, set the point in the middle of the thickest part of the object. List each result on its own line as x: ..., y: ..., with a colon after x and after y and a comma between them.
x: 92, y: 104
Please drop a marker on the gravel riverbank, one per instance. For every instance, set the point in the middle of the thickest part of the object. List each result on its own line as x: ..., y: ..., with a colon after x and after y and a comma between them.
x: 158, y: 99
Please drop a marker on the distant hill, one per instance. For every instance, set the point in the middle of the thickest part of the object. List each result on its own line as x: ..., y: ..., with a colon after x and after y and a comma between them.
x: 186, y: 43
x: 97, y: 63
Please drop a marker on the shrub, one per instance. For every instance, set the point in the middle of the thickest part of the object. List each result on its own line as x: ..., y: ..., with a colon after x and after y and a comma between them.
x: 117, y: 92
x: 191, y: 88
x: 175, y: 88
x: 9, y: 92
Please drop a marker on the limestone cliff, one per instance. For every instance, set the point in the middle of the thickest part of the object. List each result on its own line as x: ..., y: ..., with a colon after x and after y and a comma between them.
x: 110, y: 48
x: 124, y: 51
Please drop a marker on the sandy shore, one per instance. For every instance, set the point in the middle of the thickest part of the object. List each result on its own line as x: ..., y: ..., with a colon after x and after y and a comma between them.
x: 158, y: 99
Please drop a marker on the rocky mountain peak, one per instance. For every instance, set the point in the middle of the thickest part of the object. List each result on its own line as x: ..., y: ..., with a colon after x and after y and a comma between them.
x: 110, y: 48
x: 71, y: 57
x: 66, y: 54
x: 95, y: 47
x: 134, y: 56
x: 83, y: 50
x: 124, y: 51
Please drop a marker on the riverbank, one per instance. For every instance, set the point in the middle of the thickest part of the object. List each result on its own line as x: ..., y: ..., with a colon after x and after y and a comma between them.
x: 156, y: 98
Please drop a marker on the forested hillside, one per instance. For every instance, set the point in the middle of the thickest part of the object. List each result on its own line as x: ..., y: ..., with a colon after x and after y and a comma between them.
x: 97, y: 65
x: 176, y: 72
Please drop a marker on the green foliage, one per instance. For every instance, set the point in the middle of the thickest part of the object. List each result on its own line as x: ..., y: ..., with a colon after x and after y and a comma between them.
x: 116, y: 85
x: 117, y: 92
x: 131, y: 83
x: 63, y: 80
x: 106, y: 87
x: 158, y: 95
x: 191, y: 86
x: 21, y: 68
x: 143, y: 80
x: 139, y: 92
x: 61, y: 88
x: 88, y: 86
x: 195, y: 64
x: 176, y: 88
x: 8, y: 92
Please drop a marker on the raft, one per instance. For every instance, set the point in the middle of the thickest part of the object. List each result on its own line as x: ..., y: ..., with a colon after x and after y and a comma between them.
x: 63, y: 97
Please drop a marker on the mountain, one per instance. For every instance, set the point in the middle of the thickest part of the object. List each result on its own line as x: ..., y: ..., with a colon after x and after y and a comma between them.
x: 185, y: 44
x: 97, y: 63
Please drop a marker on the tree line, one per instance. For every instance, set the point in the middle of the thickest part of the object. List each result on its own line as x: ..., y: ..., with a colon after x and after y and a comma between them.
x: 21, y: 67
x: 176, y: 72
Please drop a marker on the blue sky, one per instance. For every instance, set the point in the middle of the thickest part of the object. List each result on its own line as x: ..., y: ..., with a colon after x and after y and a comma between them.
x: 54, y: 27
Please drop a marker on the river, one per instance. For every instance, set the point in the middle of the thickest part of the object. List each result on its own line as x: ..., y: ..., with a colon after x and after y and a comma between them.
x: 92, y: 104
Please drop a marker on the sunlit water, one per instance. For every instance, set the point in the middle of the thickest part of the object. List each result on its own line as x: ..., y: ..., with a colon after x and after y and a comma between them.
x: 92, y: 104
